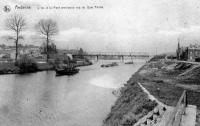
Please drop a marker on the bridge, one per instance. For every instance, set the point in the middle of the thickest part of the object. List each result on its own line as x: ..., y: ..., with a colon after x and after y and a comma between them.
x: 114, y: 54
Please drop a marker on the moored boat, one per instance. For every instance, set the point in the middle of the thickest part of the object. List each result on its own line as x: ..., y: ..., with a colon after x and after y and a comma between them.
x: 131, y: 62
x: 66, y: 70
x: 109, y: 65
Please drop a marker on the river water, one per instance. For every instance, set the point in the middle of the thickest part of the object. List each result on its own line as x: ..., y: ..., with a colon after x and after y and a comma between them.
x: 42, y: 99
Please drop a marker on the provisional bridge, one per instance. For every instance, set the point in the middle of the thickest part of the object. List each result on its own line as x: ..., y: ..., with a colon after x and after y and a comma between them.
x: 114, y: 54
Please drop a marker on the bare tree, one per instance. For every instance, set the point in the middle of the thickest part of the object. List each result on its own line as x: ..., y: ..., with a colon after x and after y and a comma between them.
x: 17, y: 24
x: 47, y: 28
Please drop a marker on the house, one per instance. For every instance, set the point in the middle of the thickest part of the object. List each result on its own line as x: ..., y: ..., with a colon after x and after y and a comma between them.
x: 194, y: 54
x: 190, y: 53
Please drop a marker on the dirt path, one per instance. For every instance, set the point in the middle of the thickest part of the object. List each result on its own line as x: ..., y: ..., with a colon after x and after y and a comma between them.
x: 194, y: 67
x: 189, y: 119
x: 151, y: 96
x: 162, y: 121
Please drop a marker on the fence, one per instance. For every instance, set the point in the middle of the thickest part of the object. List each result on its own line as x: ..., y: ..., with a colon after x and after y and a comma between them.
x: 176, y: 117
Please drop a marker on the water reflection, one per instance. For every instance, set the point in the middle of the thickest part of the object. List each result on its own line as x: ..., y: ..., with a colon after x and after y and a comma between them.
x: 41, y: 99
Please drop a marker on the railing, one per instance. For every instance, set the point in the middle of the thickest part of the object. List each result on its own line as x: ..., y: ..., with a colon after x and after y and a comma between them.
x: 117, y: 53
x: 176, y: 117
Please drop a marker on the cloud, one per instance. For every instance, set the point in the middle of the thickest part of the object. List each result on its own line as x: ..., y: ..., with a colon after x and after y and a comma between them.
x: 94, y: 41
x: 121, y: 26
x: 181, y: 30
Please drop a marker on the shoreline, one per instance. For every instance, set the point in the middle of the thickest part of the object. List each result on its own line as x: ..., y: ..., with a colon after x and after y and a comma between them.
x: 10, y: 68
x: 157, y: 73
x: 125, y: 111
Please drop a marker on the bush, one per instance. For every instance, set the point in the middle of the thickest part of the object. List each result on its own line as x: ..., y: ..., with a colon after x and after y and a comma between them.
x: 132, y: 104
x: 26, y: 64
x: 149, y: 105
x: 157, y: 57
x: 128, y: 121
x: 51, y: 62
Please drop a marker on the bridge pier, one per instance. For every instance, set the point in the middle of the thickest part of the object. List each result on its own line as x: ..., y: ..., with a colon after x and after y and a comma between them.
x: 97, y: 57
x: 131, y: 58
x: 122, y: 58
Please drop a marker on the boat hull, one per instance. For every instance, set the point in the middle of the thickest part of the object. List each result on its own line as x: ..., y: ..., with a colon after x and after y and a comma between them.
x: 66, y: 72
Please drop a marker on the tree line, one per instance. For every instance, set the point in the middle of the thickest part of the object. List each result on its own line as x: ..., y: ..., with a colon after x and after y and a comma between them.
x: 46, y: 28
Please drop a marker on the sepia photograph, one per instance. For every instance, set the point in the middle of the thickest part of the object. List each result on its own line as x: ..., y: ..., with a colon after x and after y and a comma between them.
x: 99, y: 63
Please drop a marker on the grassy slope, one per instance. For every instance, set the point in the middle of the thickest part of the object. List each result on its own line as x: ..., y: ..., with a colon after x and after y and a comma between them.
x: 132, y: 103
x: 170, y: 82
x: 130, y: 106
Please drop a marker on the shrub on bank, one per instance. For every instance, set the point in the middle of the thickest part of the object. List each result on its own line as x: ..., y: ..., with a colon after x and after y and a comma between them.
x: 26, y: 64
x: 8, y: 68
x: 45, y: 66
x: 157, y: 57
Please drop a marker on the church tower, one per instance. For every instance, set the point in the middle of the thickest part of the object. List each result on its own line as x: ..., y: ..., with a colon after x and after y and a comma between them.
x: 178, y: 50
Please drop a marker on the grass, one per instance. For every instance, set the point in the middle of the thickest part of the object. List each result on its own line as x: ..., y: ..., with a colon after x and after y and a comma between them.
x: 169, y: 81
x: 158, y: 57
x: 168, y: 94
x: 171, y: 84
x: 157, y: 73
x: 130, y: 106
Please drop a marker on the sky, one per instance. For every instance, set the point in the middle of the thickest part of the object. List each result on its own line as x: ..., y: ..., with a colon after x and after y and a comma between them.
x: 120, y: 26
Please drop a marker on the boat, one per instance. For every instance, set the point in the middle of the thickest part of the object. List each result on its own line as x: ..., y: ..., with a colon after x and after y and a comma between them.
x: 131, y: 62
x: 109, y: 65
x: 66, y: 70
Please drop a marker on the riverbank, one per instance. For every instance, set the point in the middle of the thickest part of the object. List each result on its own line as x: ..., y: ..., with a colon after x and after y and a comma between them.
x: 8, y: 68
x: 11, y: 68
x: 171, y: 78
x: 165, y: 80
x: 131, y: 105
x: 81, y: 100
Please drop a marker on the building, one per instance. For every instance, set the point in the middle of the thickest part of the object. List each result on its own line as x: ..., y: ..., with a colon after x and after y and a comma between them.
x: 181, y: 52
x: 178, y: 51
x: 9, y: 52
x: 194, y: 54
x: 190, y: 53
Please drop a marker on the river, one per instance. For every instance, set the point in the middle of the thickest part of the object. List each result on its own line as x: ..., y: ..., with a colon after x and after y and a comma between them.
x: 42, y: 99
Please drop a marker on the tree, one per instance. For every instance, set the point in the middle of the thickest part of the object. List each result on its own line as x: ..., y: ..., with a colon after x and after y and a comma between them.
x: 27, y: 64
x: 51, y: 48
x: 17, y: 24
x: 80, y: 53
x: 47, y: 28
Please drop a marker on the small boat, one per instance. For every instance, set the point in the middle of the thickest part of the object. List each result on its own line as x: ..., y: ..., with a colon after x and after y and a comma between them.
x: 66, y: 70
x: 109, y: 65
x: 131, y: 62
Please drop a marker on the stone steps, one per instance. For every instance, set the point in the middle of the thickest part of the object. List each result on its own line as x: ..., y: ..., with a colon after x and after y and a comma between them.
x: 154, y: 117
